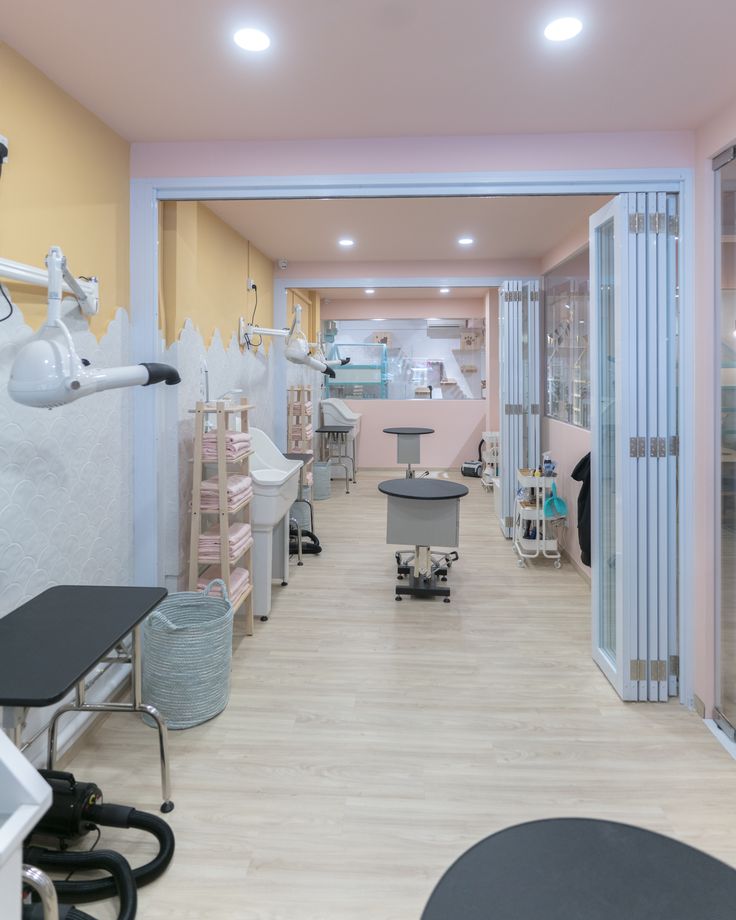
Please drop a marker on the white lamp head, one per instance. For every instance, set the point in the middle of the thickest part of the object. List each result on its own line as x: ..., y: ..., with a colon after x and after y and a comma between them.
x: 48, y: 372
x: 297, y: 351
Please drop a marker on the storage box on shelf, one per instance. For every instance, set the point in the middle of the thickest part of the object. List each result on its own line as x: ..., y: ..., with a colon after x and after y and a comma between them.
x: 224, y: 548
x: 534, y: 532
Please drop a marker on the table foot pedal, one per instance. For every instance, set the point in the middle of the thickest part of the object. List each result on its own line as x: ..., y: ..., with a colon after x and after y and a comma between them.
x: 422, y: 586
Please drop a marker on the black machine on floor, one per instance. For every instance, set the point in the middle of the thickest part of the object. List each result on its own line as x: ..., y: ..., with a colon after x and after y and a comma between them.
x: 310, y: 542
x: 76, y: 809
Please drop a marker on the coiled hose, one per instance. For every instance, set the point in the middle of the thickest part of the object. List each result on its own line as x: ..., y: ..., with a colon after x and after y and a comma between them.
x: 82, y: 892
x: 121, y: 883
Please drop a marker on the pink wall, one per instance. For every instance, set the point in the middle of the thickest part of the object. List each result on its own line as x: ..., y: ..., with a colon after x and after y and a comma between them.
x: 567, y: 444
x: 606, y: 150
x: 458, y: 425
x: 512, y: 153
x: 446, y: 271
x: 368, y: 308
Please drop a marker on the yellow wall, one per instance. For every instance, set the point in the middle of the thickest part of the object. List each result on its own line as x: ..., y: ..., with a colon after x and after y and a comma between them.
x: 204, y: 268
x: 310, y: 304
x: 65, y: 183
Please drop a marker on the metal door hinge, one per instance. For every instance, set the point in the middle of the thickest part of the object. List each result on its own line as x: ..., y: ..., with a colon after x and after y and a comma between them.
x: 674, y: 446
x: 675, y: 665
x: 534, y: 296
x: 638, y: 669
x: 658, y: 670
x: 508, y: 522
x: 636, y: 222
x: 637, y: 448
x: 673, y: 225
x: 513, y: 409
x: 653, y: 447
x: 657, y: 222
x: 535, y: 410
x: 512, y: 296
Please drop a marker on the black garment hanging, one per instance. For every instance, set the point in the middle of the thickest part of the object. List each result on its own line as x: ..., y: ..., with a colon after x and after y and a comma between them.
x: 581, y: 473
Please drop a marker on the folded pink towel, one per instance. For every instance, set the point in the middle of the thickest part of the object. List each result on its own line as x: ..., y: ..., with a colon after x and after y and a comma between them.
x: 210, y: 501
x: 239, y: 581
x: 239, y: 539
x: 236, y: 444
x: 235, y: 484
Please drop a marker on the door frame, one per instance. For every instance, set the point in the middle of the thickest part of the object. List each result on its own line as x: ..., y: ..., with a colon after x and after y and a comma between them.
x: 147, y: 344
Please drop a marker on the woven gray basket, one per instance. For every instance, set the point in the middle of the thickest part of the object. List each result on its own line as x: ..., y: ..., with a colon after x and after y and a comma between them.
x: 322, y: 487
x: 187, y: 651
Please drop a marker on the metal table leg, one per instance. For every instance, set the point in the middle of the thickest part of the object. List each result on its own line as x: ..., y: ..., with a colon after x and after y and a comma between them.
x: 137, y: 705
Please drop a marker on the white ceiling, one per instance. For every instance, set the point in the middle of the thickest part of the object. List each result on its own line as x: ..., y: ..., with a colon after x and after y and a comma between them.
x: 169, y: 70
x: 409, y: 229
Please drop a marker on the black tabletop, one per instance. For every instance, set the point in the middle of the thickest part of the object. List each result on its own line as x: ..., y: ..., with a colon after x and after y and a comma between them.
x: 49, y: 643
x: 408, y: 430
x: 578, y: 869
x: 425, y: 489
x: 334, y: 429
x: 305, y: 458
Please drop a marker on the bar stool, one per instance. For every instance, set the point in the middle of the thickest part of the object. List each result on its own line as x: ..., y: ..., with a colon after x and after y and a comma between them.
x: 407, y: 446
x: 334, y: 447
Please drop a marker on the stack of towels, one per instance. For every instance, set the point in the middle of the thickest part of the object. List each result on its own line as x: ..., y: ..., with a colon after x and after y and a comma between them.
x: 239, y: 488
x: 237, y: 445
x: 302, y: 431
x: 239, y: 540
x: 239, y: 582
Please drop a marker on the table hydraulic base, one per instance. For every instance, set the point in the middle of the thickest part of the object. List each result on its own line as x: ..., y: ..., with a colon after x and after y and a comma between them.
x: 426, y: 573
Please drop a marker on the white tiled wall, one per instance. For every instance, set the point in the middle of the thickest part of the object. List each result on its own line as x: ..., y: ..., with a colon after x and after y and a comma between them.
x: 66, y: 479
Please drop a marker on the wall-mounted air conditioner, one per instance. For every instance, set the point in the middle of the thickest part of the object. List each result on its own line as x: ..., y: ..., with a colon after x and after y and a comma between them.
x: 446, y: 328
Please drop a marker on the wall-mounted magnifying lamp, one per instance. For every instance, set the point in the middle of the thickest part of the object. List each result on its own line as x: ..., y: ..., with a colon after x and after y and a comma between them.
x: 298, y: 349
x: 47, y: 371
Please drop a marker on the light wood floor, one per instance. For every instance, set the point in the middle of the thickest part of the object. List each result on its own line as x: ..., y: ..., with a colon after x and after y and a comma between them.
x: 368, y: 743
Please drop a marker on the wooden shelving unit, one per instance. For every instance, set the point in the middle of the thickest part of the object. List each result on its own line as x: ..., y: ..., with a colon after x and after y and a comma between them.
x: 299, y: 428
x: 229, y: 417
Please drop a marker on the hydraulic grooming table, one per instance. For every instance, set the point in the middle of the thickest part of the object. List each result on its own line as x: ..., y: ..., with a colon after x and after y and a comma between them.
x: 51, y: 643
x: 407, y: 445
x: 422, y: 512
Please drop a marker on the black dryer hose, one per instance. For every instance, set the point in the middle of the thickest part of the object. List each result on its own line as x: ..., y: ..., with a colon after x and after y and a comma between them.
x: 82, y: 892
x: 121, y: 884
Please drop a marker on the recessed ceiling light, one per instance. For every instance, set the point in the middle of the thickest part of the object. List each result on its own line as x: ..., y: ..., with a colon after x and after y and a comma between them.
x: 444, y: 290
x: 346, y: 242
x: 252, y: 39
x: 370, y: 290
x: 563, y: 29
x: 466, y: 241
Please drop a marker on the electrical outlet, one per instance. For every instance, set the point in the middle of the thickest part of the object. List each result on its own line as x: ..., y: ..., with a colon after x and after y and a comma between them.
x: 251, y: 284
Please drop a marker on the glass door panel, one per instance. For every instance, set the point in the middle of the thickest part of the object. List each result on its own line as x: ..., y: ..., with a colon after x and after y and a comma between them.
x: 606, y: 407
x: 726, y: 232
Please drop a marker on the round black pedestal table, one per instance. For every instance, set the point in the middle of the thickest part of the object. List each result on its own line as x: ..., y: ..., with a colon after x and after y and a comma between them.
x: 581, y: 869
x: 408, y: 431
x: 423, y: 489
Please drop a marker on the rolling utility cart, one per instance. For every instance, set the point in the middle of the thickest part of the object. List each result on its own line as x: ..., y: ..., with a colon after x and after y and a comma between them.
x: 534, y: 532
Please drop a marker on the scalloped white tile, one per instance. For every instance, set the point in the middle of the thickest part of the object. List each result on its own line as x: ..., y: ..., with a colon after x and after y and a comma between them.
x: 66, y: 477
